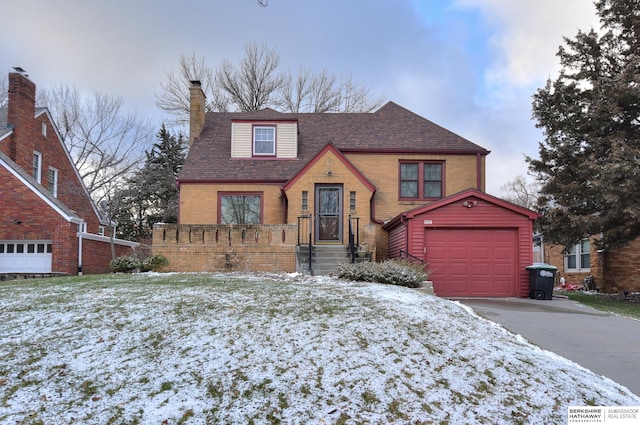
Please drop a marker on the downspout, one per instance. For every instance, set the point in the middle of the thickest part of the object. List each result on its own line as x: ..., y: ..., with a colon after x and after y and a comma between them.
x: 478, y: 171
x: 372, y: 208
x: 285, y: 206
x: 81, y: 230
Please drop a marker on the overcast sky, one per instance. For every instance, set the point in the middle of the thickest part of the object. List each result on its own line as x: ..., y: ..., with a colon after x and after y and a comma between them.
x: 468, y: 65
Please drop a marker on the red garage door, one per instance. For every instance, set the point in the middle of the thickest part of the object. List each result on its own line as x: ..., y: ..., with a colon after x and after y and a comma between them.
x: 472, y: 262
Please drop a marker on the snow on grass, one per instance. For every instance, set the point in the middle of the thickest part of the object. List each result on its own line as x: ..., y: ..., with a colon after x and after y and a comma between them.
x: 294, y: 349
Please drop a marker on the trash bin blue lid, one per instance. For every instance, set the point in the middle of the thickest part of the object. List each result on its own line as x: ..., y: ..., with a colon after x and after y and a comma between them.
x: 541, y: 266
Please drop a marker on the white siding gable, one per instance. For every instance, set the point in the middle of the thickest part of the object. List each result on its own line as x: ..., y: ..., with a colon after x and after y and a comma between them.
x: 286, y: 139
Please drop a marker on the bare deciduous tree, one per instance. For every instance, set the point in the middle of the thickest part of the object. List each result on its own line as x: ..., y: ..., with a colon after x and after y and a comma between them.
x: 521, y: 192
x: 308, y: 92
x: 255, y: 83
x: 252, y: 84
x: 174, y: 98
x: 105, y: 143
x: 4, y: 90
x: 356, y: 97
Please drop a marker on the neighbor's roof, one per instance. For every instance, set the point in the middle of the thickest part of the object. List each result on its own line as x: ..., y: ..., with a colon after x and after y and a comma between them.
x: 391, y: 129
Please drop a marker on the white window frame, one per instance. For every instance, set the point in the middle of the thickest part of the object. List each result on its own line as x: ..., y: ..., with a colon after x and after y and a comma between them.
x: 257, y: 129
x: 37, y: 168
x: 53, y: 186
x: 44, y: 129
x: 577, y: 252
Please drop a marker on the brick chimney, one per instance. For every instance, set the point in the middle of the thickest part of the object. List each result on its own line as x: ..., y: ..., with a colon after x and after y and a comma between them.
x: 197, y: 106
x: 20, y: 112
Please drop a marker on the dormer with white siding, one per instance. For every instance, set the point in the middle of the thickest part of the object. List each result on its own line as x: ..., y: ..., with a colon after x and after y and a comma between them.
x: 264, y: 139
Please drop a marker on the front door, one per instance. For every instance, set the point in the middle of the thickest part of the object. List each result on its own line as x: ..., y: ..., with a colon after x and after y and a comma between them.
x: 328, y: 213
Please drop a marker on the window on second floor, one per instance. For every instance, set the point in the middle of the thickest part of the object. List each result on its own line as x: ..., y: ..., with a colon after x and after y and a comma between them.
x: 37, y: 167
x: 52, y: 181
x: 421, y: 180
x: 264, y: 140
x: 578, y: 259
x: 240, y: 208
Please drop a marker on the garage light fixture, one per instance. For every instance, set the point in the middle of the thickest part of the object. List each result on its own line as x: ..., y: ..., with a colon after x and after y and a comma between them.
x: 17, y: 221
x: 470, y: 204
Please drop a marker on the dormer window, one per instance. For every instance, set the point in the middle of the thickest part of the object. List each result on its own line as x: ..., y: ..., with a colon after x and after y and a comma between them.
x: 264, y: 140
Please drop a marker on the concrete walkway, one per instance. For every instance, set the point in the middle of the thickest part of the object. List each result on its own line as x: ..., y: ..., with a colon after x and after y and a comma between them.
x: 604, y: 343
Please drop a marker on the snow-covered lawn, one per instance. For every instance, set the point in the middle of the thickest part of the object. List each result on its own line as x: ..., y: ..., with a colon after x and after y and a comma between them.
x: 293, y: 349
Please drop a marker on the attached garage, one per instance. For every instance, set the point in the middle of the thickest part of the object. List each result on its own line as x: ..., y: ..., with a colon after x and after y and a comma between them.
x: 475, y: 245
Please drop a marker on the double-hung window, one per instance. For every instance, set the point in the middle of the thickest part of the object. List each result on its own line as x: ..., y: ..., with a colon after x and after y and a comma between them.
x: 264, y: 141
x: 421, y: 180
x: 578, y: 257
x: 37, y: 167
x: 240, y: 208
x: 52, y: 182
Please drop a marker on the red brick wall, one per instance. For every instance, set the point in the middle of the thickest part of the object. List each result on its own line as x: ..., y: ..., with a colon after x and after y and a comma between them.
x: 96, y: 256
x: 27, y: 137
x: 39, y: 221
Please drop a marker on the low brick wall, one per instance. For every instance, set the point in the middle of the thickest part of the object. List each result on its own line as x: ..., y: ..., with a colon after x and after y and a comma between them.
x: 210, y: 248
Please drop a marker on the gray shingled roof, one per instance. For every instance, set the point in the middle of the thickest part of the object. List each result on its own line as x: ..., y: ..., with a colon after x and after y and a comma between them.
x: 391, y: 129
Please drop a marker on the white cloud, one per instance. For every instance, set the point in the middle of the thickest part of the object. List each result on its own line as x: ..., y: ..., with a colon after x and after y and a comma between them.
x: 527, y: 34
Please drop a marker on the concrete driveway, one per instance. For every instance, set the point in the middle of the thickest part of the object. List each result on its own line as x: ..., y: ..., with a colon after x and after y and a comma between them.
x: 604, y: 343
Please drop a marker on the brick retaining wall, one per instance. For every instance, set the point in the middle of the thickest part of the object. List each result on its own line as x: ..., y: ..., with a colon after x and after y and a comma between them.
x: 209, y: 248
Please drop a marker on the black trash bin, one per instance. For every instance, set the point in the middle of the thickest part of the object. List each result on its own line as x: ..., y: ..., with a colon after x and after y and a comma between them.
x: 541, y: 280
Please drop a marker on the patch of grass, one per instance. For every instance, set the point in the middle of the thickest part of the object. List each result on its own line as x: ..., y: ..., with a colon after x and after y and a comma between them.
x: 604, y: 303
x: 369, y: 397
x: 394, y: 409
x: 185, y: 416
x: 88, y: 389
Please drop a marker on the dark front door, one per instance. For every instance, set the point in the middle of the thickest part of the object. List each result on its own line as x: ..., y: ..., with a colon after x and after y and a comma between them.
x: 328, y: 213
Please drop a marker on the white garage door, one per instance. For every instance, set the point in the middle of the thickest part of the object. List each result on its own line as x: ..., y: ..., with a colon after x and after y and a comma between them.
x: 25, y: 256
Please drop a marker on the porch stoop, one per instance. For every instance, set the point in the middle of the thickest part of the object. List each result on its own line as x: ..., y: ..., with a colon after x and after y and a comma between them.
x: 426, y: 286
x: 324, y: 258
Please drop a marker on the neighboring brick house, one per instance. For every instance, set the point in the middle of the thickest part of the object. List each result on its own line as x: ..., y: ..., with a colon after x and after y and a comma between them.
x: 49, y: 223
x: 613, y: 270
x: 256, y: 185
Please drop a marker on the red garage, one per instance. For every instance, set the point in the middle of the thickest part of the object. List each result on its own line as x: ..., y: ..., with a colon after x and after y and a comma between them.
x: 475, y: 245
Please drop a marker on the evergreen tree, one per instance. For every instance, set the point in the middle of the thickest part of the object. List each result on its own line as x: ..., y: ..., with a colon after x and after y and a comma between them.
x: 589, y: 164
x: 151, y: 195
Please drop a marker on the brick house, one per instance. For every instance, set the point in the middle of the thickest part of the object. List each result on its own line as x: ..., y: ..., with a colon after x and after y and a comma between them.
x: 613, y: 270
x: 49, y: 223
x: 258, y: 189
